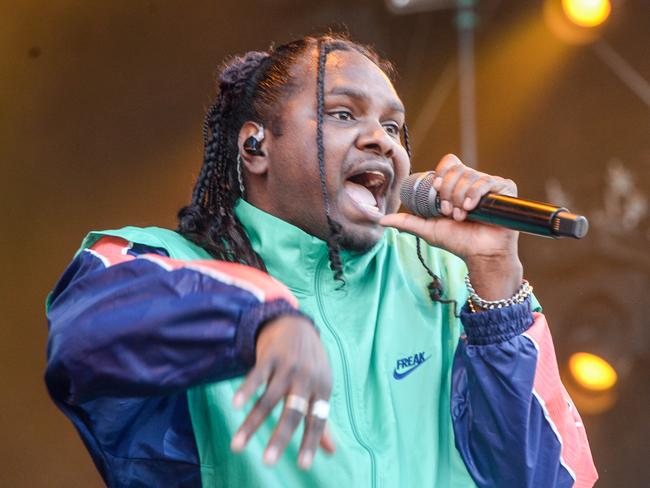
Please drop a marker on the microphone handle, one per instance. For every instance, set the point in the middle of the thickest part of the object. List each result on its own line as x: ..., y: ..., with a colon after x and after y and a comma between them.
x: 528, y: 216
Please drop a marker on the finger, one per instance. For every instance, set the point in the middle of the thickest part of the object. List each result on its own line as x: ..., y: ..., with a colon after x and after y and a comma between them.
x: 431, y: 230
x: 314, y: 427
x: 482, y: 186
x: 257, y: 376
x: 327, y: 441
x: 447, y: 162
x: 449, y: 181
x: 458, y: 196
x: 509, y: 187
x: 276, y: 389
x: 404, y: 222
x: 289, y: 421
x: 476, y: 190
x: 464, y: 183
x: 459, y: 214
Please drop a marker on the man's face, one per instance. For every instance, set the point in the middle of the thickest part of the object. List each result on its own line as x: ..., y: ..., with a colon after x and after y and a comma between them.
x: 365, y: 161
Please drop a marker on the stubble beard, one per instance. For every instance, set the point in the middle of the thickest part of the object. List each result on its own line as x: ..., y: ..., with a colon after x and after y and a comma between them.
x: 358, y: 241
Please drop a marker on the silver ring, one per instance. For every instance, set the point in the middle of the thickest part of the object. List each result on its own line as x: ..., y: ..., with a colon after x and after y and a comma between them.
x: 298, y: 403
x: 320, y: 409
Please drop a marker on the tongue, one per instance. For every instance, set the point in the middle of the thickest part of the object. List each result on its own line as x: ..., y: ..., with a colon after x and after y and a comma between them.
x: 360, y: 194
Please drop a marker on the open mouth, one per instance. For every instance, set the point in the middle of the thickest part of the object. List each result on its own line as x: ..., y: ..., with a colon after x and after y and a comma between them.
x: 367, y: 189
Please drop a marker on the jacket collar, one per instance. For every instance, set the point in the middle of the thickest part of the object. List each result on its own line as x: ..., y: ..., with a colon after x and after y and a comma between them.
x: 293, y: 256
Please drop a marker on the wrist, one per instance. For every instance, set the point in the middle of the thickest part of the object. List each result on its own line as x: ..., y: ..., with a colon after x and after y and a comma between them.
x: 277, y: 325
x: 496, y: 325
x: 495, y: 278
x: 253, y: 321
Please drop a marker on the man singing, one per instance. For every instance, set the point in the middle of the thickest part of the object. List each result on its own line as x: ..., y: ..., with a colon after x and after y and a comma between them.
x: 426, y: 363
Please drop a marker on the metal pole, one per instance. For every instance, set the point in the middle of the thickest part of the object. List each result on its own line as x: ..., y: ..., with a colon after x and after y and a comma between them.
x: 465, y: 24
x: 624, y: 70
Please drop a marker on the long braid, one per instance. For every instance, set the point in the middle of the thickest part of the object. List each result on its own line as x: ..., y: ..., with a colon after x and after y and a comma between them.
x: 209, y: 220
x: 225, y: 193
x: 407, y: 141
x: 335, y: 234
x: 435, y: 288
x: 210, y: 128
x: 320, y: 109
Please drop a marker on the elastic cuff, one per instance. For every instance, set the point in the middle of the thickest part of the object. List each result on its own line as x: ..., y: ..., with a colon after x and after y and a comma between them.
x: 496, y: 325
x: 252, y: 321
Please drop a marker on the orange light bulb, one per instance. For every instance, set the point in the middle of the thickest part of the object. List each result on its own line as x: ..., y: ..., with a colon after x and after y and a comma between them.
x: 592, y: 372
x: 587, y: 13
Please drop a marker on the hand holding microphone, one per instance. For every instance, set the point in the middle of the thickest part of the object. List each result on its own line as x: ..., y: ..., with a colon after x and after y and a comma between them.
x: 420, y: 195
x: 489, y: 251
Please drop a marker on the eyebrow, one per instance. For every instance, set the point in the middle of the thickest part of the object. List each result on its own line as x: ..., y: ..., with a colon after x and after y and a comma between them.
x: 361, y: 95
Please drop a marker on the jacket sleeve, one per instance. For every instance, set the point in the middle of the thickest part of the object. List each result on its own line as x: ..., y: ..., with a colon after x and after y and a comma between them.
x: 514, y: 422
x: 126, y: 320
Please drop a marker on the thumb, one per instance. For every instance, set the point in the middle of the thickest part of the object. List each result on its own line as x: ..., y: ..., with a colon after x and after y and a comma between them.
x: 404, y: 222
x: 436, y: 231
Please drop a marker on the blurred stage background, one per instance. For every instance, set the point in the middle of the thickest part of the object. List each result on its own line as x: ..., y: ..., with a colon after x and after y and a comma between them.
x: 101, y: 105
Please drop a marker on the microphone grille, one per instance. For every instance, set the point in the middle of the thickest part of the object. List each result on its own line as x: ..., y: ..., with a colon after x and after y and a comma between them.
x: 415, y: 194
x: 407, y: 191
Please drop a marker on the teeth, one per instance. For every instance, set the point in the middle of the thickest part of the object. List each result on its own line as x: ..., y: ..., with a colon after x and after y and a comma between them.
x: 374, y: 183
x: 372, y: 208
x: 372, y: 179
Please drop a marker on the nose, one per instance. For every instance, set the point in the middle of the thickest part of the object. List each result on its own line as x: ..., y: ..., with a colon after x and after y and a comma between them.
x: 374, y: 138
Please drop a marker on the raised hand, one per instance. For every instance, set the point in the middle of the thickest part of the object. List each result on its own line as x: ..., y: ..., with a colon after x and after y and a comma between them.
x: 292, y: 363
x: 490, y: 252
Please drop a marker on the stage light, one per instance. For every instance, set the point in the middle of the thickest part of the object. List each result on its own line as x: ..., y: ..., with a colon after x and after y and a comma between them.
x: 402, y: 7
x: 587, y: 13
x: 592, y: 372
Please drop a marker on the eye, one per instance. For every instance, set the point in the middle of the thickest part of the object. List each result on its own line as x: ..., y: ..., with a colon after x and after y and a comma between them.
x: 392, y: 128
x: 342, y: 115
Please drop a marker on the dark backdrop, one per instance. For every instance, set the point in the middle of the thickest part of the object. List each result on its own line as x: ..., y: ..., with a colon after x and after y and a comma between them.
x: 101, y: 105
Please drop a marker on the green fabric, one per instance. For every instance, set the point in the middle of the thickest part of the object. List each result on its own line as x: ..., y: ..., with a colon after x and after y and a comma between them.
x: 388, y: 432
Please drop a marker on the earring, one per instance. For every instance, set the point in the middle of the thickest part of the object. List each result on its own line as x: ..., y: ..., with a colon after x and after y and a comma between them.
x: 240, y: 179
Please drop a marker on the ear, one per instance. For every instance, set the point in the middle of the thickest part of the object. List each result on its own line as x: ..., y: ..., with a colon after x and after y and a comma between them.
x: 256, y: 163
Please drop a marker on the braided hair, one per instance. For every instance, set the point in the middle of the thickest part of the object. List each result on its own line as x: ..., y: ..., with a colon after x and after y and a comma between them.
x: 250, y: 87
x: 435, y: 288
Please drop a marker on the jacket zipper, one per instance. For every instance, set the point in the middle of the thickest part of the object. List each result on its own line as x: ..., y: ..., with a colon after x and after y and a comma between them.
x: 346, y: 372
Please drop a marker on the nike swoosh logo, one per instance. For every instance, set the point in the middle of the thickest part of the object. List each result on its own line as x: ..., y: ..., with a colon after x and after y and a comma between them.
x: 404, y: 374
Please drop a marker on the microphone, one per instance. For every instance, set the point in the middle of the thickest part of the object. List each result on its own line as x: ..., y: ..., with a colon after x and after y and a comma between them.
x: 541, y: 219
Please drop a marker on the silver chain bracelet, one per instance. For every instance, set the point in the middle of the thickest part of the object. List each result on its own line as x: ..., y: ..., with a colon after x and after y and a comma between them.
x: 474, y: 300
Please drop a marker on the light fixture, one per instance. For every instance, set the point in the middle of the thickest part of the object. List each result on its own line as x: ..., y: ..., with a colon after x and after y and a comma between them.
x: 592, y: 372
x: 587, y: 13
x: 414, y: 6
x: 577, y: 21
